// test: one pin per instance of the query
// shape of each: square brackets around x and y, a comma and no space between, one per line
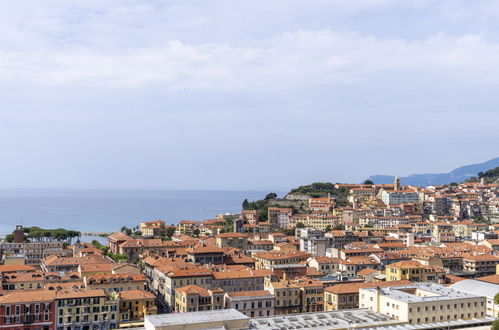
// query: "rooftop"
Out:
[164,320]
[324,320]
[435,292]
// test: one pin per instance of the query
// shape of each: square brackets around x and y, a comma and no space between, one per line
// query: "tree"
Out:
[368,182]
[328,228]
[495,325]
[170,231]
[128,231]
[270,196]
[496,299]
[196,232]
[300,225]
[453,184]
[123,229]
[245,204]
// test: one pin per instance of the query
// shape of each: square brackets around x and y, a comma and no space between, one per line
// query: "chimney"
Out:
[378,298]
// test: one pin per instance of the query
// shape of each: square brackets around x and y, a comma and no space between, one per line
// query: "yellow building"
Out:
[414,271]
[93,309]
[151,228]
[115,282]
[193,298]
[232,240]
[134,305]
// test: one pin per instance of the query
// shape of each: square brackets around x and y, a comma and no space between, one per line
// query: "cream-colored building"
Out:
[423,303]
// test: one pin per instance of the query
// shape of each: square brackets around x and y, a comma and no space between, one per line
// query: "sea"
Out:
[109,210]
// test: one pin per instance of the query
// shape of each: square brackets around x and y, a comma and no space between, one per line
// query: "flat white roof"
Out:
[440,293]
[323,320]
[195,317]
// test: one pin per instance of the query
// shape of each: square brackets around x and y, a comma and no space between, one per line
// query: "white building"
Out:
[489,290]
[399,197]
[423,303]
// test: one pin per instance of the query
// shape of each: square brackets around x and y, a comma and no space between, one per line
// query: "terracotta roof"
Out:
[367,271]
[86,268]
[71,294]
[257,293]
[62,261]
[231,235]
[280,255]
[200,249]
[136,295]
[482,257]
[26,296]
[16,268]
[119,236]
[107,278]
[193,289]
[354,287]
[250,273]
[327,260]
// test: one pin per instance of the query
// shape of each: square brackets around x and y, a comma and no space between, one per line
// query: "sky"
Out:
[243,95]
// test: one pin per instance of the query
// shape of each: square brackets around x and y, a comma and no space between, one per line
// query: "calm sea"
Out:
[108,210]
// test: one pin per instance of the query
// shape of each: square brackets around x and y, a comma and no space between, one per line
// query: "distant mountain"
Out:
[457,175]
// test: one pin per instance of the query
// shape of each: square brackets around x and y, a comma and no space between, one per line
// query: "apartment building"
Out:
[134,305]
[205,254]
[63,265]
[287,297]
[240,280]
[115,282]
[268,259]
[480,264]
[258,303]
[167,279]
[414,271]
[115,240]
[193,298]
[29,253]
[89,309]
[279,217]
[151,228]
[27,310]
[346,295]
[423,303]
[232,240]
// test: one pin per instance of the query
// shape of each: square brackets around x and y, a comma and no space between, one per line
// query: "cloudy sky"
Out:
[243,95]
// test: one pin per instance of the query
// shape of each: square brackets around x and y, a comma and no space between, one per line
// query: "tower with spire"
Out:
[396,183]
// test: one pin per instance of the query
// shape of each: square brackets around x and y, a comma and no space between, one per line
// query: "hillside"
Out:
[490,176]
[459,174]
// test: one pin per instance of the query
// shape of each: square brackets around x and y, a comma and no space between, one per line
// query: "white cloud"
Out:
[294,59]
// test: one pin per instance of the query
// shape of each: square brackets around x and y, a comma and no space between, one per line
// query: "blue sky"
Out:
[243,95]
